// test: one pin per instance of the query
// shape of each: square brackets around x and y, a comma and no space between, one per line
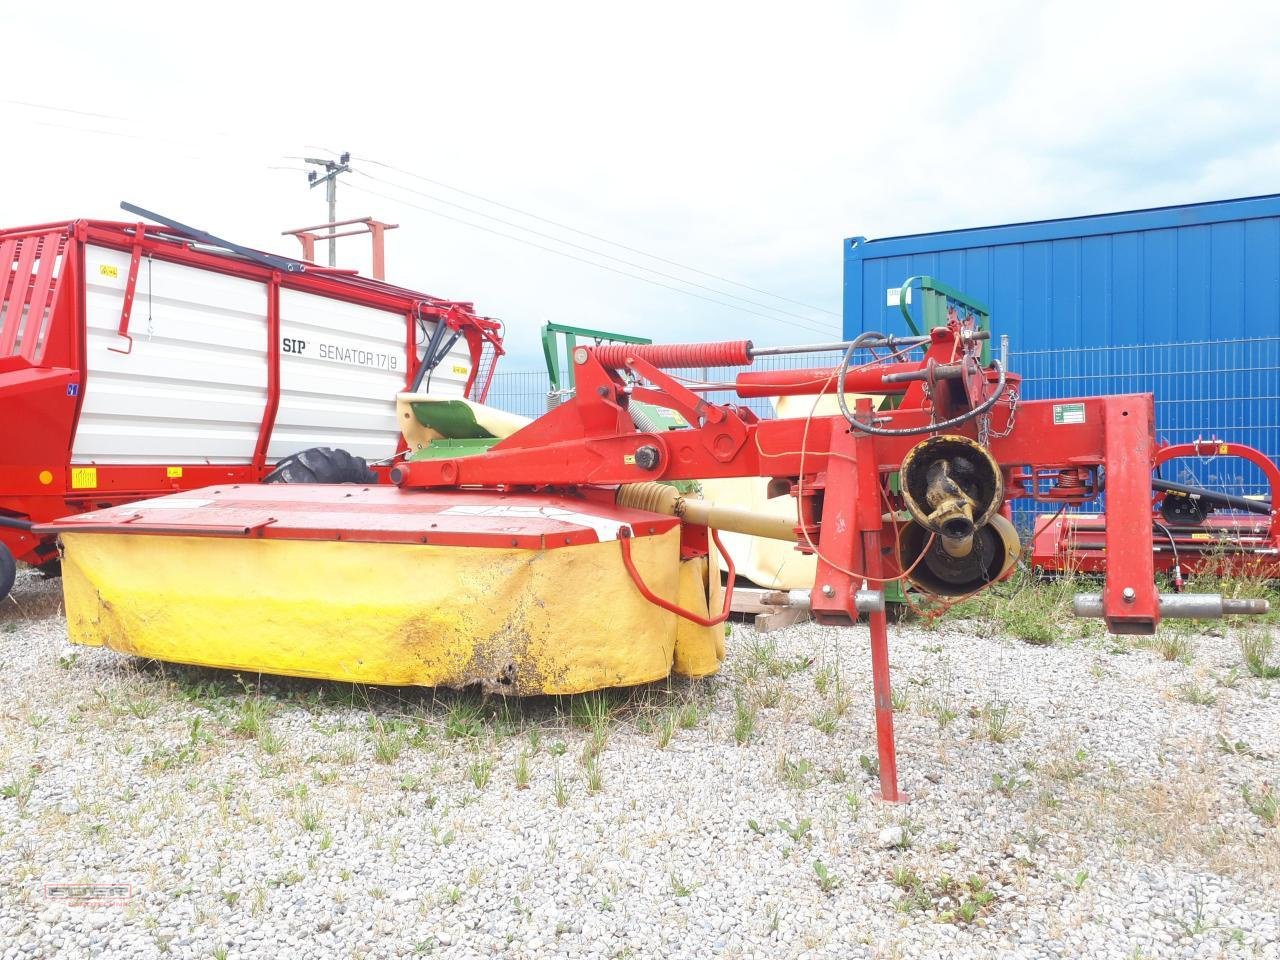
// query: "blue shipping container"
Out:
[1204,271]
[1183,302]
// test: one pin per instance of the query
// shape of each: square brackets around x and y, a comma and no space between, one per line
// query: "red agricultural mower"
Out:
[560,559]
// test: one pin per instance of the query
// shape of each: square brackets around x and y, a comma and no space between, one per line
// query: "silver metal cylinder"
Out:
[869,601]
[864,601]
[799,598]
[1187,606]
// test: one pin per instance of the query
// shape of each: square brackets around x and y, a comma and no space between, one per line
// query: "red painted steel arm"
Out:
[1131,603]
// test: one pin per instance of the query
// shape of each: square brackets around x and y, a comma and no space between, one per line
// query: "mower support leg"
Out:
[882,692]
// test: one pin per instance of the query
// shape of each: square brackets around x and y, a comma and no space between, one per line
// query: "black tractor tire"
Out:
[8,571]
[321,465]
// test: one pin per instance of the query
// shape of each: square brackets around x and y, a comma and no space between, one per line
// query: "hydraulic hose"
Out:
[14,523]
[624,543]
[856,424]
[1213,496]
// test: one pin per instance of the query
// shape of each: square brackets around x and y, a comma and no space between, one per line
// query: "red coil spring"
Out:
[728,353]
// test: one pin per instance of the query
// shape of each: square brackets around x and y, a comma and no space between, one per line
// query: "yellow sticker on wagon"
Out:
[173,472]
[83,477]
[108,270]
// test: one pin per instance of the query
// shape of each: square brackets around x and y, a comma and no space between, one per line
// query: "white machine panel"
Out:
[341,366]
[192,389]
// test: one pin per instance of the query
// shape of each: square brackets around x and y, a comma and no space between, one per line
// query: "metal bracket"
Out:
[130,287]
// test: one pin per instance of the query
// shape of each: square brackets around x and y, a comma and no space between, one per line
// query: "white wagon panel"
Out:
[192,389]
[341,366]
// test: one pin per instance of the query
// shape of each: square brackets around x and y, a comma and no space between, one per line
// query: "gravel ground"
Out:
[1071,800]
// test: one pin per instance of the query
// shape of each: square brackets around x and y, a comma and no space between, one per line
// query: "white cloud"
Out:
[744,139]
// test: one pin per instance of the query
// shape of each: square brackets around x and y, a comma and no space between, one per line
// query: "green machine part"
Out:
[462,434]
[938,301]
[551,349]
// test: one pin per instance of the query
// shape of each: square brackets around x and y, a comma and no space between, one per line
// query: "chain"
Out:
[985,435]
[1213,450]
[927,389]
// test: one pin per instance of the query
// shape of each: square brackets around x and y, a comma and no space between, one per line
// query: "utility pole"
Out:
[330,180]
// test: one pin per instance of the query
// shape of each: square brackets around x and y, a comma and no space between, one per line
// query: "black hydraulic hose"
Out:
[1213,496]
[968,415]
[14,523]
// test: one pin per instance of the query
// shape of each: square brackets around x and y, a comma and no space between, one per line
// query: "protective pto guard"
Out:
[540,617]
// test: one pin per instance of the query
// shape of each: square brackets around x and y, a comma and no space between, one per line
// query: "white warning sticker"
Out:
[605,528]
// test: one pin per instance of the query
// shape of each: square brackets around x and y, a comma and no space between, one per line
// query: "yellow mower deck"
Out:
[516,594]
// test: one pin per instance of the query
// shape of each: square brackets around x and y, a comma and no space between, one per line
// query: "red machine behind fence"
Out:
[1194,529]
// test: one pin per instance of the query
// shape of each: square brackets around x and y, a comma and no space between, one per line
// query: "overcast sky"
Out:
[743,140]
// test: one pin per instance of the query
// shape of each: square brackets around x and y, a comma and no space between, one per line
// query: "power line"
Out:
[202,131]
[83,113]
[593,236]
[806,323]
[586,249]
[186,147]
[592,263]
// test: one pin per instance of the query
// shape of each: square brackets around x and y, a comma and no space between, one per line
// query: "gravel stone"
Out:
[263,817]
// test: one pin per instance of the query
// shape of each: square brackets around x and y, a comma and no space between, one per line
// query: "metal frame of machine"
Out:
[838,469]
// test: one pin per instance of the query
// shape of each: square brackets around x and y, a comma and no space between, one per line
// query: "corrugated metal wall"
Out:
[1197,272]
[1191,276]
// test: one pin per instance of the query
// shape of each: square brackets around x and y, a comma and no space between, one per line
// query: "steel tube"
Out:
[661,498]
[839,347]
[941,371]
[1188,606]
[843,345]
[812,380]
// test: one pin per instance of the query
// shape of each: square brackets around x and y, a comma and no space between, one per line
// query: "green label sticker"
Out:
[1068,413]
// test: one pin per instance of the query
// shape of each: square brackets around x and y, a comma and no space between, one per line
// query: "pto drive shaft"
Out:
[661,498]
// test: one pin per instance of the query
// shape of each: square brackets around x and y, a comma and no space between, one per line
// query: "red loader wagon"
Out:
[138,360]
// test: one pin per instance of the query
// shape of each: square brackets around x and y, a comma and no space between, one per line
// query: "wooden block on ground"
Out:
[778,617]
